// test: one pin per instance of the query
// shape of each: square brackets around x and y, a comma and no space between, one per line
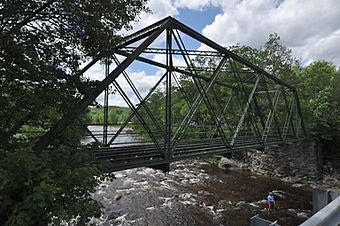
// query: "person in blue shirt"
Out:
[271,202]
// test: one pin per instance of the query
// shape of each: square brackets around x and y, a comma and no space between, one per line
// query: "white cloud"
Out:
[160,9]
[141,80]
[96,72]
[194,5]
[309,27]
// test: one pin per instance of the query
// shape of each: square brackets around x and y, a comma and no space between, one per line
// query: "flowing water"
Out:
[123,139]
[197,193]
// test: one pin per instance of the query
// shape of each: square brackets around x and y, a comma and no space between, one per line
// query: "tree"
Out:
[273,57]
[42,44]
[278,59]
[318,85]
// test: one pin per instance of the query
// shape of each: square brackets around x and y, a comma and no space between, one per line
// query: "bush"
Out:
[36,190]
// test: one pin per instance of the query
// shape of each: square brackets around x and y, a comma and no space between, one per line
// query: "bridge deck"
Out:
[146,155]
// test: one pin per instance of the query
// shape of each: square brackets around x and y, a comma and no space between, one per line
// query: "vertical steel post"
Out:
[168,92]
[299,112]
[106,103]
[287,120]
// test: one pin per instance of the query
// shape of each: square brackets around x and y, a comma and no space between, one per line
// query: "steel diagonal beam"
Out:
[198,84]
[143,33]
[186,98]
[245,110]
[206,98]
[225,108]
[259,112]
[244,94]
[212,112]
[190,32]
[270,116]
[140,118]
[91,134]
[272,111]
[42,143]
[201,88]
[88,131]
[188,117]
[136,92]
[218,104]
[126,122]
[288,109]
[185,95]
[139,35]
[175,69]
[198,100]
[222,115]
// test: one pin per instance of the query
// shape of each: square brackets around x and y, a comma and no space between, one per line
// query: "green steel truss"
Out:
[227,103]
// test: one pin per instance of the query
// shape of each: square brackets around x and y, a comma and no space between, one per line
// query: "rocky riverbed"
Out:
[197,193]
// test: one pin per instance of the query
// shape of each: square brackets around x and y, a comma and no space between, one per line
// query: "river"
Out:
[197,193]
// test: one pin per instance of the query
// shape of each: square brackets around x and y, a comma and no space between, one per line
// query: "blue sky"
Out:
[198,19]
[311,28]
[193,19]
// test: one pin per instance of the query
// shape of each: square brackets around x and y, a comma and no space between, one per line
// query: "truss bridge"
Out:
[196,98]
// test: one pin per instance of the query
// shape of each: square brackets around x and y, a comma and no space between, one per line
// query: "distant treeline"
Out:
[116,114]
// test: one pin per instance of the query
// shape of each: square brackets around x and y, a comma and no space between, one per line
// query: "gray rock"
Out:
[226,163]
[302,215]
[240,203]
[117,197]
[298,185]
[293,211]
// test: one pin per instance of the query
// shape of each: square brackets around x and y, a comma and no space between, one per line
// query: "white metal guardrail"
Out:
[327,216]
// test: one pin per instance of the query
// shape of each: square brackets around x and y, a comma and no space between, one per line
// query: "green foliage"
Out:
[116,114]
[318,85]
[56,185]
[319,88]
[273,57]
[42,45]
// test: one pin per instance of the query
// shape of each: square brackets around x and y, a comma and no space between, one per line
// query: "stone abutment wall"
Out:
[293,162]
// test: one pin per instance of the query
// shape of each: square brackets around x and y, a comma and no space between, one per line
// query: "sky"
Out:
[311,28]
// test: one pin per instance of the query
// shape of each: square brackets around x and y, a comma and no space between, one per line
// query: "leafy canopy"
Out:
[42,45]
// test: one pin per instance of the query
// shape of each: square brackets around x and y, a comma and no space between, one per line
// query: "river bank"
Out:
[197,193]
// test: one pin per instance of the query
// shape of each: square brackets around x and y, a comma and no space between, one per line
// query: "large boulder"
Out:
[226,163]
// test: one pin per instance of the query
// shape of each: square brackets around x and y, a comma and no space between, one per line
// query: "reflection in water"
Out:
[196,193]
